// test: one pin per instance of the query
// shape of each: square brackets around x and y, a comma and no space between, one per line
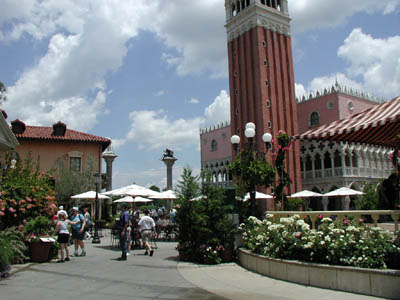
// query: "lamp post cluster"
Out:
[250,132]
[97,181]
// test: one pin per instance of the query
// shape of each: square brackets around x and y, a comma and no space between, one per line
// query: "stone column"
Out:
[109,157]
[325,202]
[169,161]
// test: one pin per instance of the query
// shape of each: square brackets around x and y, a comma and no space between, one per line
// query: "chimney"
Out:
[59,129]
[18,127]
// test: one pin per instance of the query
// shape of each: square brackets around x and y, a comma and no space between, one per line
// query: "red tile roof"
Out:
[46,133]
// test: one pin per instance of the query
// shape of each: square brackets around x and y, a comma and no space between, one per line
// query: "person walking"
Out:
[147,228]
[62,232]
[88,222]
[78,231]
[123,235]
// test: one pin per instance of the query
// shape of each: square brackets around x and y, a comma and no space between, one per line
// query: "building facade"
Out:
[216,153]
[261,84]
[261,77]
[58,146]
[325,166]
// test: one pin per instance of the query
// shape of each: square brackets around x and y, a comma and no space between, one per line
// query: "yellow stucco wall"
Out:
[49,151]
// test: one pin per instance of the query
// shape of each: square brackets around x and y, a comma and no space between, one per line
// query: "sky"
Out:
[150,74]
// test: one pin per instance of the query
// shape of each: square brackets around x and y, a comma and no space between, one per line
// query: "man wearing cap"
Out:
[123,225]
[61,210]
[78,231]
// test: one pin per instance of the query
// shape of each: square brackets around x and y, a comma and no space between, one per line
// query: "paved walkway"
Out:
[100,276]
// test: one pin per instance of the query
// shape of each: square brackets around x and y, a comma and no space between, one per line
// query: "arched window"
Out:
[337,159]
[314,119]
[214,145]
[327,161]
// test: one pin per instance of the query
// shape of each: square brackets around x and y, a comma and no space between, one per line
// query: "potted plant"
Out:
[37,232]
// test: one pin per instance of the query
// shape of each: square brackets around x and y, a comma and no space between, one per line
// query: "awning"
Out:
[378,125]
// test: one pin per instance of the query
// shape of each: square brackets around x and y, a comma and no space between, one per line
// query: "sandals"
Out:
[60,260]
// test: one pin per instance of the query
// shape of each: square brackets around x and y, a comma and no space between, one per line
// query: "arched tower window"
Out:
[314,119]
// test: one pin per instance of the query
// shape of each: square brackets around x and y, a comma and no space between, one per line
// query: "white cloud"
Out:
[219,111]
[87,40]
[159,93]
[326,82]
[299,90]
[376,61]
[194,29]
[154,130]
[311,14]
[194,101]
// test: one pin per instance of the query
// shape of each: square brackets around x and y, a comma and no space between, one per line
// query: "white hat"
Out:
[61,207]
[75,208]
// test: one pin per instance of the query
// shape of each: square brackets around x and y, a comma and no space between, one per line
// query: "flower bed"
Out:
[334,243]
[337,256]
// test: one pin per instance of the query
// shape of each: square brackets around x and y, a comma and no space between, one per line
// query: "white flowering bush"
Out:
[336,243]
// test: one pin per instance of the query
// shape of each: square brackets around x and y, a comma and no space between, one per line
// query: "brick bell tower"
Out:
[261,76]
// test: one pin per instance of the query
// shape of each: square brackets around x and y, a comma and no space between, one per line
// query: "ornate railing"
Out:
[341,214]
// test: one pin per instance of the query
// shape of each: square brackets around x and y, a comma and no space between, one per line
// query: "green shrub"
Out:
[12,249]
[38,227]
[6,254]
[25,193]
[204,226]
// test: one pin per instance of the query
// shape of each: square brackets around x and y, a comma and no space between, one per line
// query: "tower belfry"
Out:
[261,76]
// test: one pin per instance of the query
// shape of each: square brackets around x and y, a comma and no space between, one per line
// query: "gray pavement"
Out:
[100,276]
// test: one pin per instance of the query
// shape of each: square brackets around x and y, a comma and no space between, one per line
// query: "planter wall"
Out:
[380,283]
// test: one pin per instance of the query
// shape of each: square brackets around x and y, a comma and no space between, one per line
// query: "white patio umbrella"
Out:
[126,199]
[259,195]
[346,192]
[131,190]
[141,199]
[91,195]
[168,195]
[343,191]
[305,194]
[130,199]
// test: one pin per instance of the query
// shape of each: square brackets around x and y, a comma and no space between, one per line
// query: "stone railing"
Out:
[341,214]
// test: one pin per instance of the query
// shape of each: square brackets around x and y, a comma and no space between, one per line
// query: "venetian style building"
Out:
[325,166]
[261,84]
[261,77]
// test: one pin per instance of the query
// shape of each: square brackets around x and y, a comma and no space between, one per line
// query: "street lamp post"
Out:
[97,181]
[250,132]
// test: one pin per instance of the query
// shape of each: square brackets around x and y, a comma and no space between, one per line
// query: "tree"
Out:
[251,171]
[3,92]
[69,183]
[154,188]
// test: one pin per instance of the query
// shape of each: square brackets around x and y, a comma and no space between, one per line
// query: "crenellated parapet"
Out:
[338,88]
[215,127]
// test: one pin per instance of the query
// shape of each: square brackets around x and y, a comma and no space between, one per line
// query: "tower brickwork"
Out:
[261,77]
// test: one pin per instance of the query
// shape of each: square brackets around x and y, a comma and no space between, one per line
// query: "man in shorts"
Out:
[78,231]
[147,228]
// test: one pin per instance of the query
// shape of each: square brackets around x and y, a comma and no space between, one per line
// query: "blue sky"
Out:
[150,74]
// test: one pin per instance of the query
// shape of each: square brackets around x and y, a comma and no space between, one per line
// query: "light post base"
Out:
[96,238]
